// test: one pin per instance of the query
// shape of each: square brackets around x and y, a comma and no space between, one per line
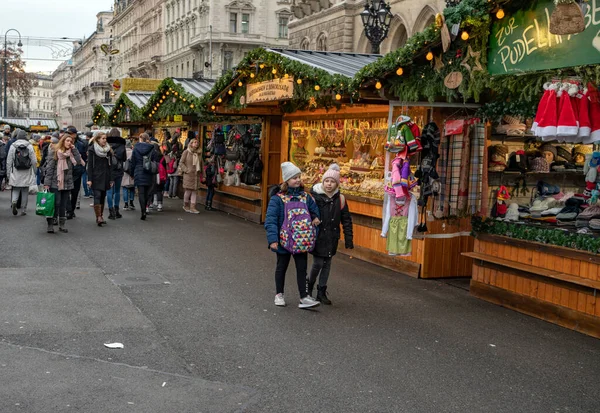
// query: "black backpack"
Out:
[22,159]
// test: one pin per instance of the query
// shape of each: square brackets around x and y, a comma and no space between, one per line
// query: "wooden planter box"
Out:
[555,284]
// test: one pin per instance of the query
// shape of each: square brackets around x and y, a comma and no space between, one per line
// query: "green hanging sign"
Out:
[522,42]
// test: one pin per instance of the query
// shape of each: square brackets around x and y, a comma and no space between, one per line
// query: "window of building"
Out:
[322,42]
[283,27]
[227,60]
[187,69]
[305,44]
[245,23]
[233,22]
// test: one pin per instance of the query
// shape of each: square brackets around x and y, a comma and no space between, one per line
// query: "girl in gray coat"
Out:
[20,166]
[59,177]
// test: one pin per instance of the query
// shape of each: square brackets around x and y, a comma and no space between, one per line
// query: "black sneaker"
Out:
[15,210]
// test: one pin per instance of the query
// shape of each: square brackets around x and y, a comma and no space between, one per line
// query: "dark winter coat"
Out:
[99,170]
[276,214]
[332,215]
[82,148]
[50,173]
[118,146]
[3,155]
[141,177]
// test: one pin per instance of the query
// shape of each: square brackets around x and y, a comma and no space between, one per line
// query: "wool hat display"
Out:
[513,212]
[517,161]
[593,211]
[548,148]
[333,172]
[289,170]
[595,224]
[539,165]
[542,204]
[497,157]
[564,152]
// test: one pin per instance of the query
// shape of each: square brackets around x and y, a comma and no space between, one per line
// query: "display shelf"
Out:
[529,173]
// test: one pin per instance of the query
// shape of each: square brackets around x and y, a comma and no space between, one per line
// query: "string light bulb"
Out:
[500,14]
[230,92]
[262,66]
[465,35]
[240,84]
[213,107]
[299,81]
[429,56]
[378,85]
[338,96]
[286,75]
[251,75]
[219,100]
[274,71]
[400,71]
[317,88]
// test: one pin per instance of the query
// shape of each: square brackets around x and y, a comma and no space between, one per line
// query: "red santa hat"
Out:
[585,125]
[547,117]
[567,126]
[594,97]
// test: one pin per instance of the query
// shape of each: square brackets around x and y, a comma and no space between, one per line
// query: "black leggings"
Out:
[99,197]
[283,260]
[144,193]
[74,194]
[61,198]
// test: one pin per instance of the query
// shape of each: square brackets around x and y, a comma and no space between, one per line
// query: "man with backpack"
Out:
[20,167]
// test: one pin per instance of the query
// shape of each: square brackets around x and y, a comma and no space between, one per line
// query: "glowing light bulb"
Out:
[240,84]
[500,14]
[378,85]
[262,66]
[338,96]
[213,107]
[230,92]
[252,75]
[219,100]
[286,75]
[429,56]
[400,71]
[317,88]
[464,36]
[299,81]
[274,71]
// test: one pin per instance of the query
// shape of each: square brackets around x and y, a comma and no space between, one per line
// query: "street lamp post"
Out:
[376,18]
[6,68]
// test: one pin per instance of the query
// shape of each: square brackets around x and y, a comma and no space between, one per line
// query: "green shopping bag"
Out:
[44,204]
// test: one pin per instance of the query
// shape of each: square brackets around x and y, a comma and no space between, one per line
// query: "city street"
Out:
[191,299]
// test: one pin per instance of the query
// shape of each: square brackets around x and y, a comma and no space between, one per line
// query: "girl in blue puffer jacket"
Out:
[290,191]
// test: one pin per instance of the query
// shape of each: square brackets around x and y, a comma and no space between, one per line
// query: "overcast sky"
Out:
[50,20]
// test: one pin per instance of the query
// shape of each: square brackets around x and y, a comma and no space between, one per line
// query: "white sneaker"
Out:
[308,302]
[159,208]
[279,300]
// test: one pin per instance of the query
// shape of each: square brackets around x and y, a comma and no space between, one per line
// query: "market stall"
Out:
[536,242]
[127,113]
[100,116]
[30,124]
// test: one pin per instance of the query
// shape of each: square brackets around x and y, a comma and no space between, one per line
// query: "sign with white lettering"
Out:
[271,90]
[522,42]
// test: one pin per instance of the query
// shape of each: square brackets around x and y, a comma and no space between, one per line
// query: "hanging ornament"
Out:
[453,80]
[567,18]
[439,64]
[445,34]
[312,102]
[476,56]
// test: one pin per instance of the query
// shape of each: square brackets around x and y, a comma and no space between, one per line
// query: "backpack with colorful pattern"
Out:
[297,234]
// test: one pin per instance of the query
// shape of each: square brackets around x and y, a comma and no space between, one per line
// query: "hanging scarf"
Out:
[195,159]
[101,151]
[63,166]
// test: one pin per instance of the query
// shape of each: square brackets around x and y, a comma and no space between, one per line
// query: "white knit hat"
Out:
[289,170]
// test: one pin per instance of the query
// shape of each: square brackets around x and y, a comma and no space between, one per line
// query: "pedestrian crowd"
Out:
[107,166]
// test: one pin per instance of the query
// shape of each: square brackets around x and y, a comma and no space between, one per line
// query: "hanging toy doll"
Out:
[500,207]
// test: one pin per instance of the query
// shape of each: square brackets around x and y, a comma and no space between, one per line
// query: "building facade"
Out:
[62,86]
[137,39]
[38,104]
[90,72]
[204,38]
[335,25]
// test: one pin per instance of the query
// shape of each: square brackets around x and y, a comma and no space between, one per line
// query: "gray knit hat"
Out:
[289,170]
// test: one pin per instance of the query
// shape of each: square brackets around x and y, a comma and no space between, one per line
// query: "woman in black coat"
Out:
[333,211]
[143,179]
[99,172]
[113,196]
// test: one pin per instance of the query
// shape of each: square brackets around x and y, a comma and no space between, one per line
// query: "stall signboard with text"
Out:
[522,42]
[269,91]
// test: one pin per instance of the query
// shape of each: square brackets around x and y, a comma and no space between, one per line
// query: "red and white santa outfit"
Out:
[567,126]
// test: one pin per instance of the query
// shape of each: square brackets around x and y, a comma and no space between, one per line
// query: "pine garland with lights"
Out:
[100,117]
[118,114]
[170,99]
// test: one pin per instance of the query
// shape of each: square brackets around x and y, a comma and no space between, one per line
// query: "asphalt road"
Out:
[191,299]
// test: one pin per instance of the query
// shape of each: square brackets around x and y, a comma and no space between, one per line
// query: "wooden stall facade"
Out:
[552,283]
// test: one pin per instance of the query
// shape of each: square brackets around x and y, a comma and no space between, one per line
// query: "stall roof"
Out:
[107,107]
[346,64]
[195,87]
[139,99]
[28,122]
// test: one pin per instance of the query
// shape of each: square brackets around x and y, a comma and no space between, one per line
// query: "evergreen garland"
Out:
[100,116]
[551,236]
[118,114]
[170,99]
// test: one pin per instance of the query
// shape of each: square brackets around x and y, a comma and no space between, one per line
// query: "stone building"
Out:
[62,86]
[231,28]
[38,105]
[137,39]
[335,25]
[90,72]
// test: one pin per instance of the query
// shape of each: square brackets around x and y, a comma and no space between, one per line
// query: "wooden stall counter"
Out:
[244,201]
[552,283]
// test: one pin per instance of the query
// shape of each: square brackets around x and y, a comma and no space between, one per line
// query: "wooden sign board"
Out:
[269,91]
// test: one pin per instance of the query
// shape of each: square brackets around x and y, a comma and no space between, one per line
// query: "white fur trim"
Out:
[566,131]
[584,131]
[543,131]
